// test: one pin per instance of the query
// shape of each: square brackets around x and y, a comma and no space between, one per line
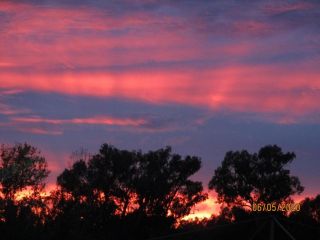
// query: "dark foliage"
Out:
[244,178]
[22,168]
[126,194]
[130,195]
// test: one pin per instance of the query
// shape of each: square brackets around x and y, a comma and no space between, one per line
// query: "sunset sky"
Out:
[202,76]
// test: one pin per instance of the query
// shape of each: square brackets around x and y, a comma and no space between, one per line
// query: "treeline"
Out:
[120,194]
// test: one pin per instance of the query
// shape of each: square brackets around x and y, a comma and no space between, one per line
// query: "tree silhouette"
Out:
[164,192]
[112,173]
[245,178]
[121,194]
[163,186]
[22,168]
[145,191]
[309,211]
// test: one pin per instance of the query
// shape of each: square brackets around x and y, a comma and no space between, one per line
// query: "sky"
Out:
[202,76]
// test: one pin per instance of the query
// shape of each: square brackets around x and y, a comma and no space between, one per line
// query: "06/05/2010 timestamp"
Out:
[275,207]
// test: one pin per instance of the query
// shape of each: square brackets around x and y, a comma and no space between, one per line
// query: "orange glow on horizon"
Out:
[210,207]
[205,209]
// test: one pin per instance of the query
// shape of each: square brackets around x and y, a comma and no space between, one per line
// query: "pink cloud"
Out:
[39,131]
[252,27]
[6,109]
[99,120]
[290,90]
[69,44]
[266,89]
[283,7]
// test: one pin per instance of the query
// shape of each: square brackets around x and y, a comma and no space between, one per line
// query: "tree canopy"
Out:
[140,187]
[122,194]
[21,166]
[309,212]
[244,178]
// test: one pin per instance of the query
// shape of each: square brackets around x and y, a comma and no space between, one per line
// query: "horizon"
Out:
[207,209]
